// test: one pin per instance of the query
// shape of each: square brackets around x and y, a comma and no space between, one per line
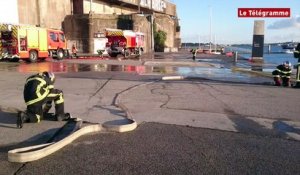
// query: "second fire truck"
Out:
[124,42]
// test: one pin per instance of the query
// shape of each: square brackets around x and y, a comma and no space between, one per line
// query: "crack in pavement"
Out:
[87,112]
[100,88]
[162,87]
[20,169]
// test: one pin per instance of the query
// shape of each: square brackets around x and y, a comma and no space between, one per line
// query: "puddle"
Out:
[218,74]
[200,72]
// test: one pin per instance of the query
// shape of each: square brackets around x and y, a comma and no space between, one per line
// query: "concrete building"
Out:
[82,19]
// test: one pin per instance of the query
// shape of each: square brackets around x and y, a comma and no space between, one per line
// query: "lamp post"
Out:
[91,6]
[210,19]
[152,32]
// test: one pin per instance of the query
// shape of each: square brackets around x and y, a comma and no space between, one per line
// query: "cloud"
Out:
[286,23]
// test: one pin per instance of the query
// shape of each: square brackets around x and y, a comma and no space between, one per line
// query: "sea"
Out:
[276,56]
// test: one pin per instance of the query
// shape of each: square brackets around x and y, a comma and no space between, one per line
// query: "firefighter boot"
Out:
[22,118]
[63,117]
[286,82]
[277,81]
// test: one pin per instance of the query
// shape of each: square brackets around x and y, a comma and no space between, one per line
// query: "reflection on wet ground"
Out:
[222,74]
[220,71]
[216,73]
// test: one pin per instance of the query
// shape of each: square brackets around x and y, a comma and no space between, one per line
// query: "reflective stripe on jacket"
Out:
[36,89]
[282,71]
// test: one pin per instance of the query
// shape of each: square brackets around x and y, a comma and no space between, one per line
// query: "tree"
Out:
[160,38]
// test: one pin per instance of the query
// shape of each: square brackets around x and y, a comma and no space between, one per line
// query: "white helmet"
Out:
[287,63]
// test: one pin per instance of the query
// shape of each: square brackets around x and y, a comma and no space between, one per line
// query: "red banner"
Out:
[264,12]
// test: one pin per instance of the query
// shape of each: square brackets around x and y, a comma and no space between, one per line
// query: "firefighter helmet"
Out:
[50,75]
[287,64]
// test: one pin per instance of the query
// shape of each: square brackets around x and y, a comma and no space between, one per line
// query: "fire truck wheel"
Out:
[33,56]
[60,54]
[126,54]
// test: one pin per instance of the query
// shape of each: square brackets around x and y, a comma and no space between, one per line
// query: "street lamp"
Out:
[91,6]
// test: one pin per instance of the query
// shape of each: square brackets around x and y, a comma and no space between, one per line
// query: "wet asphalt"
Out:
[154,147]
[169,149]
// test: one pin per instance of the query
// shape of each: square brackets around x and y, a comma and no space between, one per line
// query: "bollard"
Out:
[258,41]
[235,56]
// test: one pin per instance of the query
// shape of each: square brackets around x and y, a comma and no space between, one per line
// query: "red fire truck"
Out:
[31,43]
[124,42]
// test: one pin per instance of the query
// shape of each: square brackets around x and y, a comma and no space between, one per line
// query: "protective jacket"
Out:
[194,51]
[37,88]
[282,71]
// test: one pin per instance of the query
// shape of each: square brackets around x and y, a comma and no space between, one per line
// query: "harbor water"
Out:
[276,56]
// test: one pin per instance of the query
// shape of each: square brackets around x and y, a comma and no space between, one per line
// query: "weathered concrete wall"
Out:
[102,7]
[77,7]
[166,24]
[76,28]
[143,24]
[81,28]
[46,13]
[161,6]
[28,12]
[129,6]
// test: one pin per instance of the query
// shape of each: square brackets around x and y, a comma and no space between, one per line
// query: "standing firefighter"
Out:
[297,55]
[38,92]
[74,51]
[282,74]
[194,52]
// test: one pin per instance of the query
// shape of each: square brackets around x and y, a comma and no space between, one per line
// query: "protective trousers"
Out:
[35,111]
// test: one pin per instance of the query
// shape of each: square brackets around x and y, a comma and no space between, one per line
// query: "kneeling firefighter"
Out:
[38,94]
[282,74]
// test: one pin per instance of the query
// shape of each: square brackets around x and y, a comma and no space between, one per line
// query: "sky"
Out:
[228,28]
[9,15]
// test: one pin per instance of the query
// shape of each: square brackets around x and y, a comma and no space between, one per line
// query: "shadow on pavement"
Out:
[248,126]
[283,127]
[41,138]
[7,119]
[280,129]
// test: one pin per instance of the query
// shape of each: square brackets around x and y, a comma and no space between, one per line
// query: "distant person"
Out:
[194,52]
[282,74]
[74,51]
[222,50]
[297,52]
[38,92]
